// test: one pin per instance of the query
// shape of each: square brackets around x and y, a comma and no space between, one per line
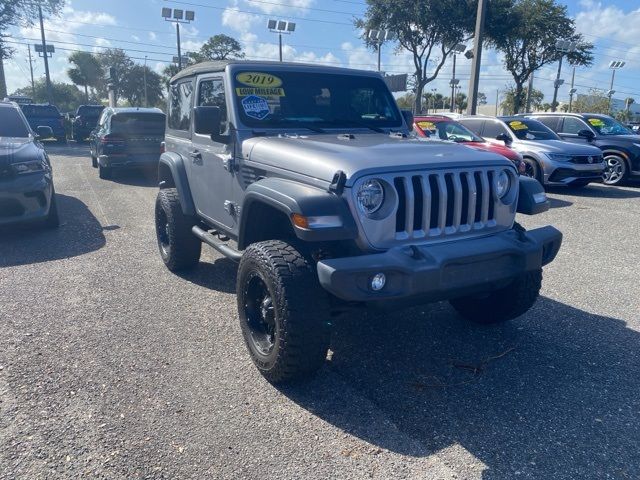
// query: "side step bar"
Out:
[212,241]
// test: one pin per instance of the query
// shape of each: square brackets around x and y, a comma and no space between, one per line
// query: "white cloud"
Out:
[152,36]
[237,20]
[274,7]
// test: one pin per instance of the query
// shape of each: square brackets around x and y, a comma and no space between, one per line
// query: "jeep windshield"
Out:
[608,126]
[312,100]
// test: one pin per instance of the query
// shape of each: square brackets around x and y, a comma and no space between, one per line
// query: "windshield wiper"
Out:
[364,125]
[294,123]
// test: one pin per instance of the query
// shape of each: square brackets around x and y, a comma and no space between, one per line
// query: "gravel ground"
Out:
[113,367]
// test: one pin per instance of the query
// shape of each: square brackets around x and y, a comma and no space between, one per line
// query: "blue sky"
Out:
[324,34]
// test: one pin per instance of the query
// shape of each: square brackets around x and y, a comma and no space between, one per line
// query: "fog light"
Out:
[378,281]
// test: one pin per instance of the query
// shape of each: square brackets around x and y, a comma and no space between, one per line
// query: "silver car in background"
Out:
[548,159]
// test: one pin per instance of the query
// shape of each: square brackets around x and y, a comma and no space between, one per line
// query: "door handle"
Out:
[196,157]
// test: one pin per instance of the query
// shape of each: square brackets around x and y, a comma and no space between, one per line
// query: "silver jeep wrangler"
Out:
[309,178]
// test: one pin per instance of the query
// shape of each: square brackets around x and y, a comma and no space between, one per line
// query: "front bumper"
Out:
[440,272]
[25,198]
[129,160]
[566,173]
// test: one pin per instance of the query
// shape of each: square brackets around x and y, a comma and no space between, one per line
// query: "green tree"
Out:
[528,39]
[86,71]
[66,96]
[219,47]
[596,101]
[482,98]
[460,102]
[132,87]
[117,58]
[406,101]
[429,30]
[508,105]
[14,13]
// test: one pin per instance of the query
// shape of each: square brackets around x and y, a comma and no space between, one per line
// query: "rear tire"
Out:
[94,162]
[283,311]
[504,304]
[179,247]
[104,173]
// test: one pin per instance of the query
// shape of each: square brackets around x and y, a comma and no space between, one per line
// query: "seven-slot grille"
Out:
[437,204]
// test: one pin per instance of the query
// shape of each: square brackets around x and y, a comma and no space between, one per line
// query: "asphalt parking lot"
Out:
[111,366]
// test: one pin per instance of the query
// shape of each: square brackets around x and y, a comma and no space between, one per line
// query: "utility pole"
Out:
[179,48]
[497,100]
[556,86]
[33,85]
[46,58]
[146,104]
[280,44]
[573,90]
[564,47]
[453,84]
[477,58]
[529,92]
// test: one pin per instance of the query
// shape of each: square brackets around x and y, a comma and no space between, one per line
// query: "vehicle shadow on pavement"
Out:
[80,232]
[136,177]
[557,203]
[219,275]
[551,395]
[596,191]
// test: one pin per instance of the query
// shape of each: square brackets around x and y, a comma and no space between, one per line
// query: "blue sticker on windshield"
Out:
[255,107]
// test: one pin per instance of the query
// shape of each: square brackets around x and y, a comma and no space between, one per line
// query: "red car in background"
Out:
[439,127]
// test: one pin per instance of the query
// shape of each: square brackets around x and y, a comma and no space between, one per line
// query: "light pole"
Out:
[457,48]
[477,57]
[144,72]
[33,85]
[178,16]
[562,46]
[614,65]
[572,90]
[378,37]
[280,27]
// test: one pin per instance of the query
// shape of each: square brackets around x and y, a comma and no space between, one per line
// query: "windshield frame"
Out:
[604,119]
[314,122]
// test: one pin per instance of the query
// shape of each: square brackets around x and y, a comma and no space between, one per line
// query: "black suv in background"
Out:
[42,114]
[127,137]
[85,120]
[26,179]
[620,145]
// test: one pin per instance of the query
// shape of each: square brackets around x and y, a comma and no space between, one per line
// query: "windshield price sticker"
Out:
[596,122]
[259,91]
[257,79]
[427,125]
[518,125]
[255,107]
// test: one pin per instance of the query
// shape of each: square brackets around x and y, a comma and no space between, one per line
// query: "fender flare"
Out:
[291,197]
[173,164]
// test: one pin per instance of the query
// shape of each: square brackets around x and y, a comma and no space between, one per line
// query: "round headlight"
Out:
[502,183]
[370,196]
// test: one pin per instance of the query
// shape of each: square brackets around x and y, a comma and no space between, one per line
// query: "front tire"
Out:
[532,170]
[283,311]
[504,304]
[53,218]
[105,173]
[615,170]
[179,247]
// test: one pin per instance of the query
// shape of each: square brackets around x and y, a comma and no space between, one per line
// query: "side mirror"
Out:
[43,131]
[408,117]
[588,134]
[207,121]
[505,138]
[532,198]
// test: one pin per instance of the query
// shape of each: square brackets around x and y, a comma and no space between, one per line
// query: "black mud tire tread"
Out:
[94,162]
[505,304]
[105,173]
[184,247]
[302,311]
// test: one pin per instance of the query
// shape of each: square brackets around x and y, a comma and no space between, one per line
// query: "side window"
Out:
[180,95]
[211,94]
[573,125]
[493,129]
[551,122]
[473,124]
[103,119]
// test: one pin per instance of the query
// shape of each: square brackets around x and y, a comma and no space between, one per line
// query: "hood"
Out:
[503,150]
[555,146]
[321,156]
[635,138]
[16,150]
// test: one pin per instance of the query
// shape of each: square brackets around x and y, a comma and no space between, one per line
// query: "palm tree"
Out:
[86,71]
